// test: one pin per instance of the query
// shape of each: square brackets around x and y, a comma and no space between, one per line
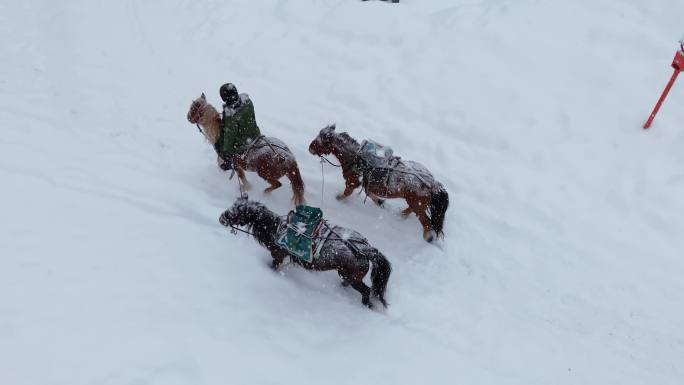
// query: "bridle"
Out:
[196,108]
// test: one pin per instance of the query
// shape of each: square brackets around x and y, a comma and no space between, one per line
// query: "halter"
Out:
[198,118]
[234,230]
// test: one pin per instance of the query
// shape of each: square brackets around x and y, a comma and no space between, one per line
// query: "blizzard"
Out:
[562,256]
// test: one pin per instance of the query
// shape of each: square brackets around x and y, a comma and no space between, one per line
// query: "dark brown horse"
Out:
[410,180]
[269,157]
[343,249]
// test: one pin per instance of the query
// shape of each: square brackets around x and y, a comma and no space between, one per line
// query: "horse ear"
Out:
[332,126]
[203,96]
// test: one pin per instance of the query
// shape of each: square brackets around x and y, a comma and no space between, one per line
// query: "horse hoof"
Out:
[340,197]
[344,284]
[368,304]
[429,236]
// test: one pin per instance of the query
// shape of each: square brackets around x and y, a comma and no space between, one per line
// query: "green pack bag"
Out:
[300,231]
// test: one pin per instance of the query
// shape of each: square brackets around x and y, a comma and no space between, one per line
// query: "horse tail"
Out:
[297,184]
[438,207]
[380,275]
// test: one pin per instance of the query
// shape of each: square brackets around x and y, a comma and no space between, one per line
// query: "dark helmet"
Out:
[229,94]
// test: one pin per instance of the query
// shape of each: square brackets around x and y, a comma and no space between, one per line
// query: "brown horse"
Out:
[269,157]
[344,250]
[410,180]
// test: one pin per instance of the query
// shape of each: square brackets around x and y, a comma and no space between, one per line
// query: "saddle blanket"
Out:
[303,233]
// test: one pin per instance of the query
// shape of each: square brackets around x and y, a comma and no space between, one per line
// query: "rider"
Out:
[239,127]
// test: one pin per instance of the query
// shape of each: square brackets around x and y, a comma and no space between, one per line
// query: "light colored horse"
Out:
[269,157]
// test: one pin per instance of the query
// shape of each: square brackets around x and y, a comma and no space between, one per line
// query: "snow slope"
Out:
[562,260]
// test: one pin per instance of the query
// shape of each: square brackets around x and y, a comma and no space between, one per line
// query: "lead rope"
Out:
[325,160]
[322,182]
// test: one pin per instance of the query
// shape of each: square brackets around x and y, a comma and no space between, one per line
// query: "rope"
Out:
[329,162]
[322,182]
[234,230]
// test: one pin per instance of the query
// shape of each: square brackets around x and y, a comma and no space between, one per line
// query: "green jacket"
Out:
[239,129]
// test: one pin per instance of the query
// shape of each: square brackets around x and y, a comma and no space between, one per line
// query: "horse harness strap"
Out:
[254,146]
[367,179]
[321,237]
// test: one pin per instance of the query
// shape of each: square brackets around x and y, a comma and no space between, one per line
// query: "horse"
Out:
[425,196]
[344,250]
[269,157]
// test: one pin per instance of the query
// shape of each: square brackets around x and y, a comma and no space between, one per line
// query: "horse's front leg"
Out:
[407,211]
[246,186]
[351,182]
[278,258]
[378,201]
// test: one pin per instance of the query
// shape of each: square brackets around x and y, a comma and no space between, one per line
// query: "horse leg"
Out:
[246,186]
[407,211]
[348,190]
[275,183]
[278,259]
[420,207]
[344,283]
[297,184]
[351,182]
[425,221]
[364,290]
[270,178]
[378,201]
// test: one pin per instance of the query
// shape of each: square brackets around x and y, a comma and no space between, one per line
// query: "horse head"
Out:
[239,213]
[260,222]
[196,109]
[323,143]
[205,115]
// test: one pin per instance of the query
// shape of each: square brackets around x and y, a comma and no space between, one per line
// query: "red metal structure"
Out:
[678,65]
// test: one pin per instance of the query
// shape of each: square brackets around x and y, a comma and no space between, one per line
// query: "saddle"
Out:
[302,234]
[373,155]
[375,162]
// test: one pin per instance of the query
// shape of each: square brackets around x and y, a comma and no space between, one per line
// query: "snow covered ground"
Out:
[562,261]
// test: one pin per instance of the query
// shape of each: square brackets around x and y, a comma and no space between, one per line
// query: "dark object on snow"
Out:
[383,175]
[344,250]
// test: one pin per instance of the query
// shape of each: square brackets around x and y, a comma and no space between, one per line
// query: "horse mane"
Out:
[348,142]
[262,223]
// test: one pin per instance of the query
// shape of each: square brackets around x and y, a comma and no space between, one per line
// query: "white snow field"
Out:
[562,261]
